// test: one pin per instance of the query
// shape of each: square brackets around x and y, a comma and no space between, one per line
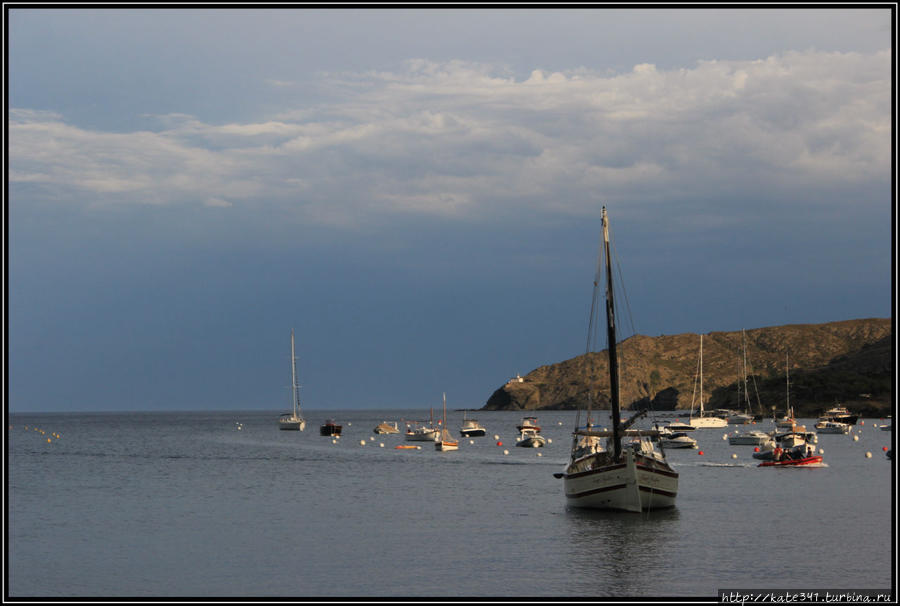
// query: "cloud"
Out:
[463,139]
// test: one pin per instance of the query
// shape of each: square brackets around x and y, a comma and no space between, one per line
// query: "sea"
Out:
[224,505]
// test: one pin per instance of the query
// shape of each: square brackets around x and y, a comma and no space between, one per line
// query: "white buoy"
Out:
[418,448]
[333,441]
[725,436]
[868,455]
[496,437]
[856,438]
[349,424]
[540,454]
[733,456]
[471,441]
[372,438]
[381,444]
[549,441]
[506,452]
[821,451]
[362,442]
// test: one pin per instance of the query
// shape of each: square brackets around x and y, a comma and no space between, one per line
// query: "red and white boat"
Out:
[797,457]
[815,460]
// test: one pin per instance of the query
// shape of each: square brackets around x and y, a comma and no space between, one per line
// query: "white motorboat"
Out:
[631,477]
[471,428]
[293,420]
[740,419]
[833,427]
[703,419]
[750,438]
[529,424]
[840,414]
[531,439]
[677,440]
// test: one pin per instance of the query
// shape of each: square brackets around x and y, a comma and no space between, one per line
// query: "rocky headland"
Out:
[849,362]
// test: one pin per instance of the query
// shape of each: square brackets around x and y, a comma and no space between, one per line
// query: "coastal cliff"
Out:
[849,362]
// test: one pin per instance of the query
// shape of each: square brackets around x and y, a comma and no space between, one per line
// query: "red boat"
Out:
[792,462]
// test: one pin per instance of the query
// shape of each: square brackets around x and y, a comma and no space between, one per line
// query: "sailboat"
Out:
[633,476]
[293,420]
[743,418]
[423,433]
[703,420]
[445,441]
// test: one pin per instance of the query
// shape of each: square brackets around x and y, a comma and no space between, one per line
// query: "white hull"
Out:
[446,446]
[701,422]
[292,424]
[629,486]
[750,439]
[423,435]
[678,443]
[740,420]
[832,427]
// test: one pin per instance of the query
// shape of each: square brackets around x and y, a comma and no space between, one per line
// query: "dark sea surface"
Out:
[225,505]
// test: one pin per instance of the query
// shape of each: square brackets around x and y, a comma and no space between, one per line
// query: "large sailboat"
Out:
[293,420]
[704,420]
[629,473]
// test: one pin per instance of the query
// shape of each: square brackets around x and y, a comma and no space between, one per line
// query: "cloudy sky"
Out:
[417,193]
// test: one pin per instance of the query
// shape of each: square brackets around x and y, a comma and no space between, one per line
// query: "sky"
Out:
[417,193]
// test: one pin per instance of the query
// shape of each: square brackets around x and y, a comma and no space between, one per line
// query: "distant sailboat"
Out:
[703,420]
[743,418]
[445,441]
[633,476]
[293,420]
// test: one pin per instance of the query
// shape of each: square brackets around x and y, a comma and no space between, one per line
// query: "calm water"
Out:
[188,505]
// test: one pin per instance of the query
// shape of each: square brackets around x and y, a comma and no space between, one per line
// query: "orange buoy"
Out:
[499,443]
[884,448]
[700,453]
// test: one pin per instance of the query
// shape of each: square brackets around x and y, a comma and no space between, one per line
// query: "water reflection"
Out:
[618,554]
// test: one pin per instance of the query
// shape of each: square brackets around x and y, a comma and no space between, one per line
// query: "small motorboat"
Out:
[386,427]
[677,440]
[531,439]
[740,419]
[814,460]
[750,438]
[832,427]
[793,457]
[839,414]
[471,428]
[330,428]
[678,427]
[529,424]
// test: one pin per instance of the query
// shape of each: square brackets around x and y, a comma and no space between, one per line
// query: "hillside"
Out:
[849,362]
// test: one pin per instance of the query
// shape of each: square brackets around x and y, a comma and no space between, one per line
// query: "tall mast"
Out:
[611,338]
[295,389]
[701,375]
[788,385]
[744,367]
